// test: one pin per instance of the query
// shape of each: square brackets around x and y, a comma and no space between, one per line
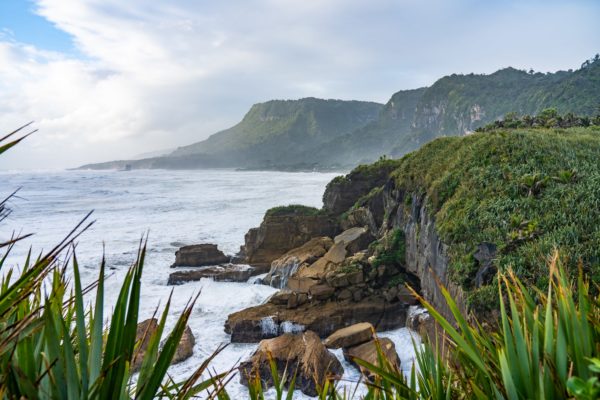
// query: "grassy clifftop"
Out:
[528,191]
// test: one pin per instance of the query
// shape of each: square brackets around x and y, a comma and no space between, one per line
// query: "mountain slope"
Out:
[458,104]
[281,131]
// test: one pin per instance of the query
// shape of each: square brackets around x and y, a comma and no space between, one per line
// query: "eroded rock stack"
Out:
[301,354]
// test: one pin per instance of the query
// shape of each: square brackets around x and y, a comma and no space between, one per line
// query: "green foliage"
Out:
[292,210]
[548,118]
[543,342]
[391,251]
[528,191]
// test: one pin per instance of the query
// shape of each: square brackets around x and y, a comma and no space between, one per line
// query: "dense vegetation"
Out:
[528,191]
[548,118]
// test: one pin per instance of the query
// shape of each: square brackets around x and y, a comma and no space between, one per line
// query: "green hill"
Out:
[281,132]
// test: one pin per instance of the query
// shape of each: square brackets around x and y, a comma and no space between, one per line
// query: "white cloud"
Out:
[160,74]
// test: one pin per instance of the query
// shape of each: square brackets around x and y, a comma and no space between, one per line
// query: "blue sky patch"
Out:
[19,22]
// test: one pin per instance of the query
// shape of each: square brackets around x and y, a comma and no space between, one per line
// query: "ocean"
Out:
[173,208]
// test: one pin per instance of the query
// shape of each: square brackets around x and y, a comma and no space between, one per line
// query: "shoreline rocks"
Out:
[270,320]
[302,354]
[286,265]
[349,336]
[278,234]
[368,352]
[199,255]
[220,273]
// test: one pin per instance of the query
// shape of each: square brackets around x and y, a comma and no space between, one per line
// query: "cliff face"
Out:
[458,104]
[393,208]
[426,254]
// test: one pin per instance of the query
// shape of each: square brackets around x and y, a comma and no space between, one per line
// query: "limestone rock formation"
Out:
[349,336]
[271,320]
[301,353]
[286,265]
[278,234]
[199,255]
[220,273]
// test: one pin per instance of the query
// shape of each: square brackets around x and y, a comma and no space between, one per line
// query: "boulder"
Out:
[286,265]
[221,273]
[199,255]
[185,349]
[368,352]
[144,332]
[350,336]
[280,233]
[269,320]
[303,354]
[354,239]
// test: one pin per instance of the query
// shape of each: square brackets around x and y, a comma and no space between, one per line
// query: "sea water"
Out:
[173,208]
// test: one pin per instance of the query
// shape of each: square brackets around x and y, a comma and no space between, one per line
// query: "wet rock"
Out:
[404,295]
[368,352]
[349,336]
[420,321]
[282,297]
[303,353]
[278,234]
[270,320]
[354,239]
[220,273]
[391,294]
[199,255]
[285,266]
[338,280]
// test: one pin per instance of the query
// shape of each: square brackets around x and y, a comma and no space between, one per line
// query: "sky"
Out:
[113,79]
